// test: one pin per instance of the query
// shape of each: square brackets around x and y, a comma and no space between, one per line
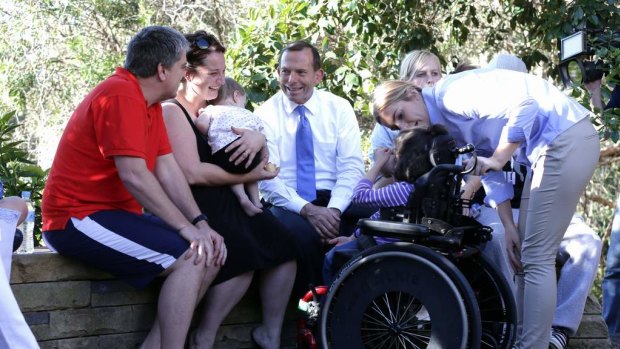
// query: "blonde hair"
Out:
[227,89]
[413,61]
[390,92]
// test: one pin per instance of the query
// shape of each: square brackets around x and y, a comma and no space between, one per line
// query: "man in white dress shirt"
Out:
[338,163]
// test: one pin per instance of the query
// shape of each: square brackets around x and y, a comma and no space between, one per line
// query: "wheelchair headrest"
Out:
[443,150]
[420,149]
[435,172]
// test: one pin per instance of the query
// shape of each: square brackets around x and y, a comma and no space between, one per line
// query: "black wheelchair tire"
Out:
[395,277]
[496,302]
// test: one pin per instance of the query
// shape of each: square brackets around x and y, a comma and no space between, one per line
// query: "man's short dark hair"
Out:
[154,45]
[300,46]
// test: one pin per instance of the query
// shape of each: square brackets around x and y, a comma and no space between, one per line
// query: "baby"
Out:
[216,121]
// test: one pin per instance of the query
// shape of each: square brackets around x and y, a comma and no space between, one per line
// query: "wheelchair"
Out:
[431,288]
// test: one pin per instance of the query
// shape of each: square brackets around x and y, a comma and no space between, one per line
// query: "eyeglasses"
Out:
[202,43]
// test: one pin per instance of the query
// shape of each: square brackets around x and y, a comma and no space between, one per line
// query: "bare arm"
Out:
[472,185]
[594,88]
[496,162]
[170,176]
[383,156]
[145,188]
[511,234]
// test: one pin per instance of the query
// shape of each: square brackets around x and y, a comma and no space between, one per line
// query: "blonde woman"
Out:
[423,69]
[511,114]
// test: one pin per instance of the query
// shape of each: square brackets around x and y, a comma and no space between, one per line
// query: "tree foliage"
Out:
[54,51]
[362,42]
[18,171]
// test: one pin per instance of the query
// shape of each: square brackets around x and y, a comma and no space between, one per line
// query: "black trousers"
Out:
[310,262]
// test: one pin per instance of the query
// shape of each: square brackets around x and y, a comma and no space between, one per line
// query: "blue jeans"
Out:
[611,282]
[329,269]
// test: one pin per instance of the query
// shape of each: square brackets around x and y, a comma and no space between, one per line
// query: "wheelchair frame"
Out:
[431,290]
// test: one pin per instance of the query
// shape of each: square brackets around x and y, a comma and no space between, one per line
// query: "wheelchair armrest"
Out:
[398,230]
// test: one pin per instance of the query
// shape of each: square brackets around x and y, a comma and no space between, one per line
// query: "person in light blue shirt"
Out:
[14,331]
[508,114]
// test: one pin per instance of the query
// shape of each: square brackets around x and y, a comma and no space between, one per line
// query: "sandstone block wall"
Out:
[69,305]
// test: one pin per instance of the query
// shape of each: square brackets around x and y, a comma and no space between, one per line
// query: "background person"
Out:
[580,243]
[255,243]
[611,280]
[113,160]
[423,69]
[314,137]
[505,113]
[14,331]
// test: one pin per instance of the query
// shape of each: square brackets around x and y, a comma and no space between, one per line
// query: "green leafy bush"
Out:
[18,171]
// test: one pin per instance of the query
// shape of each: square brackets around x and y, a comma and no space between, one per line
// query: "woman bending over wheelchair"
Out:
[408,161]
[510,114]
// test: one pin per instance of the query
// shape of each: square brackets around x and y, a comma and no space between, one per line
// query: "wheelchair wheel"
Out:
[400,295]
[495,301]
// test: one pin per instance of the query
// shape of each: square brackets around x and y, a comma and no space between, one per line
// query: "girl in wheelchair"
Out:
[409,160]
[428,289]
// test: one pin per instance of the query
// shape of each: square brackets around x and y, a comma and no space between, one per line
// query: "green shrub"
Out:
[18,171]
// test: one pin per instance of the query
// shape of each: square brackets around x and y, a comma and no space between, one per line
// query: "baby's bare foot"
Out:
[257,203]
[249,208]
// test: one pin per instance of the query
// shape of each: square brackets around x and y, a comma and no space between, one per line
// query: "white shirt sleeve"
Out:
[349,161]
[276,191]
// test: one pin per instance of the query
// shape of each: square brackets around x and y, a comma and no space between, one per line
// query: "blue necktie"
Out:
[306,183]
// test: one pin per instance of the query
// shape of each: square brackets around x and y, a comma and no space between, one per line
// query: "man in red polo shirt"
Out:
[113,160]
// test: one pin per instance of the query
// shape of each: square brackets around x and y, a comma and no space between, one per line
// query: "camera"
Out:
[577,63]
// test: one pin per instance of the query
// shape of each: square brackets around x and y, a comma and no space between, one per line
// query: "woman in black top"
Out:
[258,243]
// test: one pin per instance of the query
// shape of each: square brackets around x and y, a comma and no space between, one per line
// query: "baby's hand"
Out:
[203,121]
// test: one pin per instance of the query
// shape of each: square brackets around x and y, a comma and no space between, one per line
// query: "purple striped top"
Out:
[395,194]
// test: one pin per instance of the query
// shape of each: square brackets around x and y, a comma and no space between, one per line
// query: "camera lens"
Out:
[574,72]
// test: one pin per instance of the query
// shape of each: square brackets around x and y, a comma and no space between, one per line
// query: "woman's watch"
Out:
[200,217]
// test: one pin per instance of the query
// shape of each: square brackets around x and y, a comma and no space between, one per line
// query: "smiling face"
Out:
[206,79]
[405,114]
[298,76]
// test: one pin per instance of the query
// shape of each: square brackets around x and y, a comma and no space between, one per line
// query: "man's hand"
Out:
[247,146]
[219,247]
[326,221]
[204,244]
